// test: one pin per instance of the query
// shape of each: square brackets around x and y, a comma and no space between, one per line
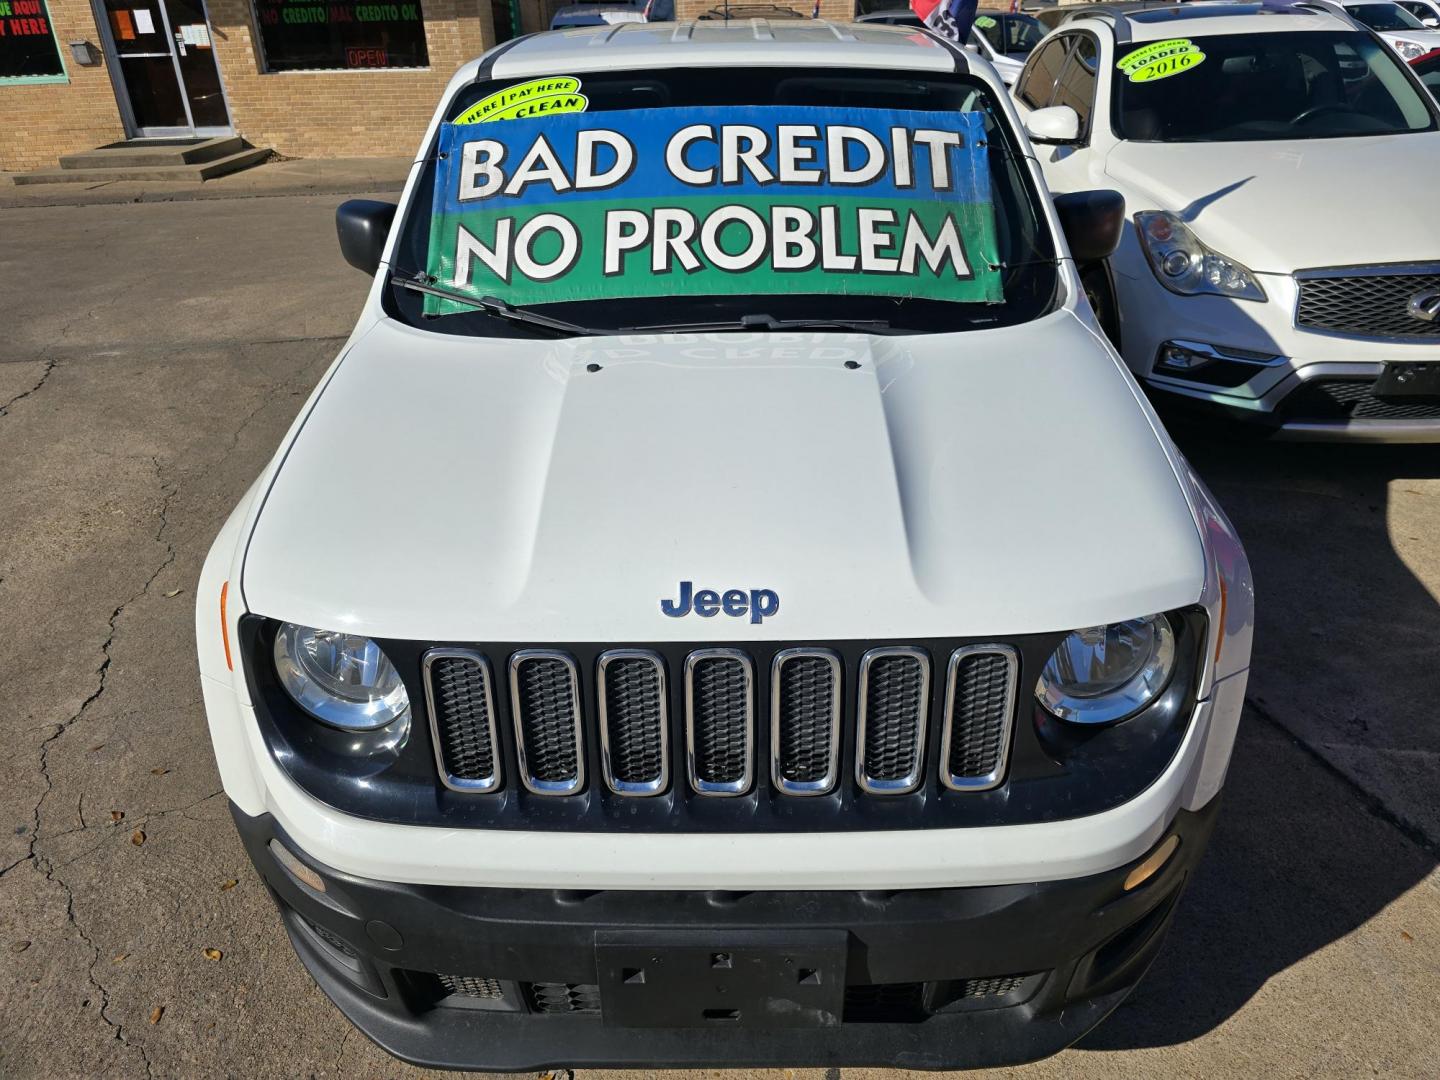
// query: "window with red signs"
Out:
[339,35]
[28,49]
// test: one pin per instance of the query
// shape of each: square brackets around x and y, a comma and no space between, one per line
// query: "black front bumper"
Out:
[920,979]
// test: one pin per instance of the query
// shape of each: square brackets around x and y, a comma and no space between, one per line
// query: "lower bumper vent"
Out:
[557,998]
[473,986]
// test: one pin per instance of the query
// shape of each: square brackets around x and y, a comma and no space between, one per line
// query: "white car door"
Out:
[1066,70]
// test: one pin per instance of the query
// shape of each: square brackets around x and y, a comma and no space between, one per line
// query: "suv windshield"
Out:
[1294,85]
[953,257]
[1010,35]
[1384,17]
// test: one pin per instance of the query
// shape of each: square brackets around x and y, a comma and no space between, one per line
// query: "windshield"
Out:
[1010,35]
[920,243]
[1250,87]
[1385,17]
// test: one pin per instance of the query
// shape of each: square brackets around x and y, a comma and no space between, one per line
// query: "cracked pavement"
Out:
[148,374]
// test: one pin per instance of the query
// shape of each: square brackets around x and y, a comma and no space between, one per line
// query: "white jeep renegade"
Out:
[726,604]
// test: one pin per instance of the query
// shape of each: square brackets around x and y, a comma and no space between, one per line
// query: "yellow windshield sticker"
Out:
[1160,60]
[984,22]
[527,101]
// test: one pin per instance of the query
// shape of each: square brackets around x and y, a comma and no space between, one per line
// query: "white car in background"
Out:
[1427,11]
[1402,30]
[1262,154]
[1006,41]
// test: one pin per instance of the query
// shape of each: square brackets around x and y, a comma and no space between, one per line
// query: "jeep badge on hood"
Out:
[757,603]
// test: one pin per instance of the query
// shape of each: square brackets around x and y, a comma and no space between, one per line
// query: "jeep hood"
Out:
[1285,206]
[986,483]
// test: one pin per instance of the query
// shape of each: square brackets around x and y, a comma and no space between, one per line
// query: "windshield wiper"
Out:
[768,322]
[493,305]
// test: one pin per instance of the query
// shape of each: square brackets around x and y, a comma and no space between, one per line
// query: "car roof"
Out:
[748,43]
[1202,18]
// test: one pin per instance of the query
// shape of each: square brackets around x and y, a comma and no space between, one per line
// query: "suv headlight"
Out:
[343,680]
[1186,266]
[1107,673]
[1409,50]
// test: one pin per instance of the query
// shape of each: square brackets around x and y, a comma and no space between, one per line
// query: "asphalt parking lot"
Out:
[152,356]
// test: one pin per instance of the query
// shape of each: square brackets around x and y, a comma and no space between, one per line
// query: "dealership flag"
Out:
[948,18]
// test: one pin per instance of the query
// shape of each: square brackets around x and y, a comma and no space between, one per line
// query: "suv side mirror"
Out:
[1092,222]
[363,226]
[1054,124]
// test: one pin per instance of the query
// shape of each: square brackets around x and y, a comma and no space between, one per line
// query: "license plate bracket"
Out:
[752,979]
[1419,379]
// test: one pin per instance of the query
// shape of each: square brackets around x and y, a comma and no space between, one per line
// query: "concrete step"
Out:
[149,153]
[200,170]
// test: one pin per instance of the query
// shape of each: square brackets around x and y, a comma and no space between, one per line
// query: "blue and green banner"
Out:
[715,201]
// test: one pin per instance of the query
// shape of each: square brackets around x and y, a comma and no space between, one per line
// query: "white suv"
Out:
[726,603]
[1267,157]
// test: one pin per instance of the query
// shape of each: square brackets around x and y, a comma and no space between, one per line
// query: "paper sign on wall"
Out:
[144,24]
[715,201]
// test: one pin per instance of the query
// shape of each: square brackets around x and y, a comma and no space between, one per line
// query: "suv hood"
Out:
[1285,206]
[993,482]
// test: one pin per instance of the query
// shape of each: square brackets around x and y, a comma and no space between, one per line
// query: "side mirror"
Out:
[1431,21]
[1056,124]
[1092,222]
[363,226]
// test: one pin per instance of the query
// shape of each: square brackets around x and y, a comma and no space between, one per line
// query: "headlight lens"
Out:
[343,680]
[1186,266]
[1106,673]
[1409,50]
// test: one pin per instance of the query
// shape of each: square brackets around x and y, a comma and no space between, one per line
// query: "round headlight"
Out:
[343,680]
[1106,673]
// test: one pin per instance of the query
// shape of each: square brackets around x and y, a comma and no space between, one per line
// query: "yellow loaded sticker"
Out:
[526,101]
[984,22]
[1160,60]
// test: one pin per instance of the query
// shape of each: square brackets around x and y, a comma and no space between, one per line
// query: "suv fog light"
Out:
[1213,365]
[1103,674]
[1180,358]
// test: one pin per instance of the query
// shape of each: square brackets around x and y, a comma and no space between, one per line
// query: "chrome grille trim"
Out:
[911,780]
[467,785]
[662,779]
[827,782]
[533,783]
[707,787]
[1006,720]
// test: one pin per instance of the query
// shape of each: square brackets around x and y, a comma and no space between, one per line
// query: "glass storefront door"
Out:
[166,63]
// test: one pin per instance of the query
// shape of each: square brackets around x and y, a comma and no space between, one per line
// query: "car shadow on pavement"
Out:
[1327,817]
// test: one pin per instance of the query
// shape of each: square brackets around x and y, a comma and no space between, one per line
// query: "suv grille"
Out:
[473,986]
[551,997]
[894,704]
[1365,305]
[979,706]
[720,708]
[1353,399]
[634,722]
[462,719]
[805,719]
[545,699]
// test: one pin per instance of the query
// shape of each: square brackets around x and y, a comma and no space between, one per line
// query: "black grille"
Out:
[895,691]
[807,700]
[1366,305]
[547,997]
[995,986]
[982,686]
[473,986]
[634,696]
[721,703]
[463,714]
[1353,399]
[545,706]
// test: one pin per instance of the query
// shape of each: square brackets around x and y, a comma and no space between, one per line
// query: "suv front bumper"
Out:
[932,978]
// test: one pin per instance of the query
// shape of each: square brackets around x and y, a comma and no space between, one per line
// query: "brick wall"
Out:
[39,122]
[343,113]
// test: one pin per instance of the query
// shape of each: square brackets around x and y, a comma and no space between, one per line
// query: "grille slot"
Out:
[634,722]
[473,986]
[719,721]
[1353,399]
[1365,304]
[805,721]
[979,713]
[545,700]
[994,986]
[459,695]
[551,997]
[894,705]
